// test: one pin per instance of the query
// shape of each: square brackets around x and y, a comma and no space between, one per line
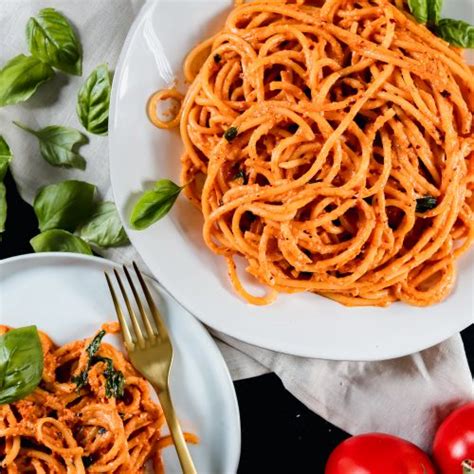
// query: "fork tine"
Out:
[146,321]
[162,331]
[133,318]
[118,310]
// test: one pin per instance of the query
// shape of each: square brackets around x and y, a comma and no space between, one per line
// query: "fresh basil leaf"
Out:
[64,205]
[154,204]
[104,227]
[58,145]
[419,9]
[3,207]
[456,32]
[21,77]
[94,345]
[434,11]
[57,240]
[114,379]
[5,157]
[51,38]
[93,101]
[21,363]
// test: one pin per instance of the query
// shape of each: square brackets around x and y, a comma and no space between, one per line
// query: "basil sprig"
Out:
[114,379]
[21,77]
[21,363]
[64,205]
[93,101]
[57,240]
[58,145]
[52,40]
[154,204]
[5,159]
[104,228]
[456,32]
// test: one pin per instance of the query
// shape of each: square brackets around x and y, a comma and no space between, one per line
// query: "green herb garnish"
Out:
[114,379]
[154,204]
[52,40]
[426,11]
[93,101]
[104,227]
[426,203]
[57,240]
[456,32]
[58,145]
[81,379]
[94,345]
[21,77]
[231,133]
[64,205]
[87,461]
[21,363]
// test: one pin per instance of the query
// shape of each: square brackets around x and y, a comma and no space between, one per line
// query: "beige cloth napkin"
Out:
[405,396]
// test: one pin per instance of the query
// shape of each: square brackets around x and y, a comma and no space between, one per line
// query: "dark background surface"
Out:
[279,434]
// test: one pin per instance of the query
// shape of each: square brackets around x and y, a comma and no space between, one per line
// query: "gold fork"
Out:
[151,353]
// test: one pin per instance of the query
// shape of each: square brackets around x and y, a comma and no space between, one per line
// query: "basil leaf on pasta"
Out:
[93,101]
[21,77]
[456,32]
[64,205]
[21,363]
[434,11]
[419,9]
[52,40]
[154,204]
[58,145]
[57,240]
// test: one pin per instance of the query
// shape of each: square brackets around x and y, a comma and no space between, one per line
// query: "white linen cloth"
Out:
[405,397]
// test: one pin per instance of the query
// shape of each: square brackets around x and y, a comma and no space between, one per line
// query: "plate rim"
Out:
[218,357]
[281,346]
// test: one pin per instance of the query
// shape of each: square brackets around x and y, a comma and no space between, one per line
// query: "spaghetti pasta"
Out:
[66,427]
[336,143]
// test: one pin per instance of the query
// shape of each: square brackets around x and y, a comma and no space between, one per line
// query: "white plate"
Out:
[66,295]
[303,324]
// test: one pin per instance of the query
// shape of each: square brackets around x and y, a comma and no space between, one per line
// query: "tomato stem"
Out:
[468,467]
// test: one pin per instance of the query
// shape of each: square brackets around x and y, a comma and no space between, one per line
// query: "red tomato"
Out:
[454,441]
[377,453]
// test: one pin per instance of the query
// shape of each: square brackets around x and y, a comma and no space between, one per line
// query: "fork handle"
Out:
[184,456]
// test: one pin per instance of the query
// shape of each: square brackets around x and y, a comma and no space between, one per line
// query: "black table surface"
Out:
[279,434]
